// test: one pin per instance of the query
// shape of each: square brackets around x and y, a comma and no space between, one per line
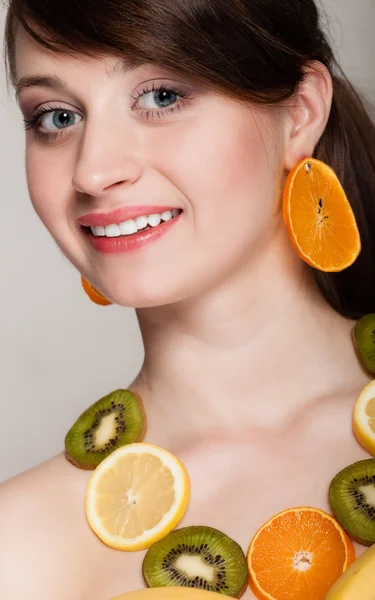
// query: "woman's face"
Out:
[110,140]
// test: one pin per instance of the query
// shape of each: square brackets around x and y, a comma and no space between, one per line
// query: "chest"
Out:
[236,487]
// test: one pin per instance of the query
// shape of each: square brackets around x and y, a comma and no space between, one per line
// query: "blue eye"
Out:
[59,119]
[161,99]
[162,96]
[49,122]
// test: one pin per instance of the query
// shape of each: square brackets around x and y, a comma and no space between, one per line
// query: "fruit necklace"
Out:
[138,492]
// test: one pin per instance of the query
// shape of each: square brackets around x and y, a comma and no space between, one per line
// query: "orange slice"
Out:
[319,218]
[136,496]
[364,418]
[298,555]
[93,293]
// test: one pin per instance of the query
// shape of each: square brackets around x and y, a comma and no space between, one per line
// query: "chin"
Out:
[145,300]
[154,294]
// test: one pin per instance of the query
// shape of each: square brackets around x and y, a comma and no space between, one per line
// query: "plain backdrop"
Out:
[59,352]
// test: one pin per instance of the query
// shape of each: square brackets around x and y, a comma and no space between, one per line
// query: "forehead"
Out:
[31,57]
[37,65]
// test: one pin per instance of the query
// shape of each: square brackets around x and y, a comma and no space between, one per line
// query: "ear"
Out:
[307,115]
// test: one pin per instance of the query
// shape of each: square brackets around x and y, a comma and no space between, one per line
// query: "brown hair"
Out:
[251,50]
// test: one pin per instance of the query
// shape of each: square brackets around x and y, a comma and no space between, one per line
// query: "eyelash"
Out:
[33,123]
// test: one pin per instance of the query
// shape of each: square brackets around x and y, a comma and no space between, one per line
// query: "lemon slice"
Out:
[364,418]
[136,496]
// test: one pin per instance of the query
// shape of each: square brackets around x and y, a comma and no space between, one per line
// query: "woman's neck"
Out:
[246,357]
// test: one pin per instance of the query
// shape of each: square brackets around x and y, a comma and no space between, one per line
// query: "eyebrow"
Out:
[39,80]
[56,83]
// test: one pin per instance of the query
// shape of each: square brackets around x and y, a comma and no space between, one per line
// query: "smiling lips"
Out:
[128,228]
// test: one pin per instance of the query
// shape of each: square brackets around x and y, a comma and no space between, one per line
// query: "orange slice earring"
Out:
[93,293]
[318,216]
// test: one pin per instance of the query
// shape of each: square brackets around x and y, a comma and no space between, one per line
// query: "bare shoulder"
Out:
[41,521]
[327,425]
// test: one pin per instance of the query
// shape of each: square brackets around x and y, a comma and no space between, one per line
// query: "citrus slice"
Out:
[364,418]
[298,555]
[136,496]
[93,293]
[319,218]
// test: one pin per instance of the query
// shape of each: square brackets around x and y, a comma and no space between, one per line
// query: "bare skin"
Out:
[236,486]
[249,375]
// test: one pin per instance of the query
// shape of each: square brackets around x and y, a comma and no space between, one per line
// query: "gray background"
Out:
[58,351]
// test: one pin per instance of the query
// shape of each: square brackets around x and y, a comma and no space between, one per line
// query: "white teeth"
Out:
[128,227]
[167,215]
[112,231]
[141,222]
[154,220]
[134,225]
[98,231]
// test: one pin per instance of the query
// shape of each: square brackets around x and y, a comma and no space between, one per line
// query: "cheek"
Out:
[47,183]
[50,191]
[226,170]
[39,180]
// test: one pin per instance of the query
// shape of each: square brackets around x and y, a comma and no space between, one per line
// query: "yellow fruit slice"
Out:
[357,583]
[136,496]
[364,418]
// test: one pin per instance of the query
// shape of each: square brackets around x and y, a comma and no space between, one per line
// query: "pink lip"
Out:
[120,215]
[129,243]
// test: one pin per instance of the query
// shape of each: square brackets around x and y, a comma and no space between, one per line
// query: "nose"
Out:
[106,158]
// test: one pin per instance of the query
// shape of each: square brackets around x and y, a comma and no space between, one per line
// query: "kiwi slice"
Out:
[352,497]
[113,421]
[364,340]
[197,557]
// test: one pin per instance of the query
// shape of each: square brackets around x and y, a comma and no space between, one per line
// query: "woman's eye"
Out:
[158,99]
[59,119]
[49,123]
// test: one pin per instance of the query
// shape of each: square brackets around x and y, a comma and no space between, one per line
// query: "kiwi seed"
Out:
[113,421]
[197,557]
[364,335]
[352,497]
